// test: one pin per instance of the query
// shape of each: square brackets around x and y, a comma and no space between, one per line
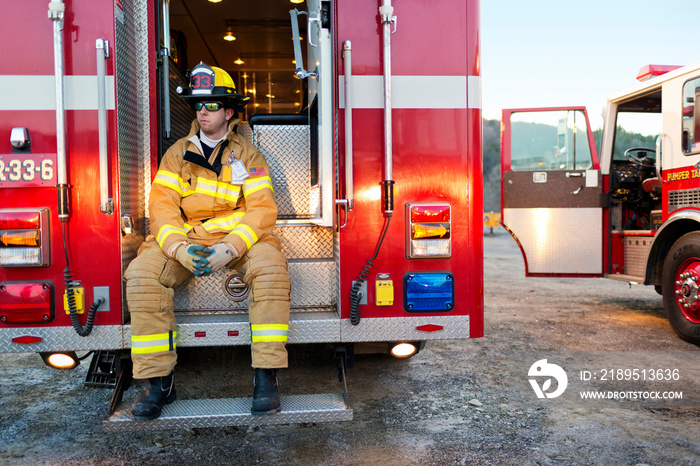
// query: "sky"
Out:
[546,53]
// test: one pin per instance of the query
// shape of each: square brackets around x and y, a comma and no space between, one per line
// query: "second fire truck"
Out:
[629,211]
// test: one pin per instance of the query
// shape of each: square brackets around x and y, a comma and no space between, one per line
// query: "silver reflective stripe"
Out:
[265,333]
[147,344]
[32,92]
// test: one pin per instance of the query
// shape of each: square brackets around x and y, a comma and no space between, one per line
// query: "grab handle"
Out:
[106,202]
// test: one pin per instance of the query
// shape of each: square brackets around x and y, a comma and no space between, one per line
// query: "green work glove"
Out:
[221,254]
[193,258]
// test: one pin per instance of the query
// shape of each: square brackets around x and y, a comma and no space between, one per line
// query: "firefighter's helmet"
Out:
[213,83]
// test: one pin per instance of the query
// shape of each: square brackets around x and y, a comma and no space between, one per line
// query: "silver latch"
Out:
[235,287]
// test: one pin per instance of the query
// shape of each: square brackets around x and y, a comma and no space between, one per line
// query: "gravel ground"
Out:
[466,402]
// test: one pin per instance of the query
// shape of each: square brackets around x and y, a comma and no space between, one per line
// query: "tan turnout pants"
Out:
[150,280]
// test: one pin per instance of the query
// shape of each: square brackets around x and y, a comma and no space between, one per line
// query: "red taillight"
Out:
[13,220]
[430,213]
[26,302]
[24,238]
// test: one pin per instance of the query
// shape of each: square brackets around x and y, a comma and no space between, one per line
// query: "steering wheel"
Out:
[636,159]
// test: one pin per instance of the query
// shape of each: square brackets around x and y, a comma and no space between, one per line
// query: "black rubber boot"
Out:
[266,397]
[160,391]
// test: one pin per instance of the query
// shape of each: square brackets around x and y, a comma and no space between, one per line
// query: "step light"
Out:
[61,360]
[404,350]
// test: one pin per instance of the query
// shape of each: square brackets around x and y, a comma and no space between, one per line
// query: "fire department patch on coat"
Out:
[257,171]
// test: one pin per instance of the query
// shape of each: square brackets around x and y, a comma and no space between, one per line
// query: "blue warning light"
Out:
[428,292]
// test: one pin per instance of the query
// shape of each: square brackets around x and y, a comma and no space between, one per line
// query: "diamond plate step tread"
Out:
[185,414]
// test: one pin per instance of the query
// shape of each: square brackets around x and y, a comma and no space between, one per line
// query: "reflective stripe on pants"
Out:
[269,332]
[142,344]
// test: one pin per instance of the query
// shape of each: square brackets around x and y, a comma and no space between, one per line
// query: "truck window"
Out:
[691,130]
[550,140]
[634,129]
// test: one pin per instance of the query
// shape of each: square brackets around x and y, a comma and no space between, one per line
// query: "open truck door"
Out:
[551,190]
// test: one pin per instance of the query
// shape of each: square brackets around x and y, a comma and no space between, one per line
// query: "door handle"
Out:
[578,190]
[575,174]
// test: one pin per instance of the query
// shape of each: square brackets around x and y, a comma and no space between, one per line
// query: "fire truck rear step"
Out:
[186,414]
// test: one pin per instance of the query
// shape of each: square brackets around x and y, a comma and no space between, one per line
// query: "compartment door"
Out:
[551,190]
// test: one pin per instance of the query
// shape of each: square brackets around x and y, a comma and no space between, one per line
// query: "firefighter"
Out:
[211,206]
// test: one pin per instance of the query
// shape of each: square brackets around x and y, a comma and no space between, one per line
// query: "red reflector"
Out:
[430,213]
[200,334]
[26,340]
[26,302]
[233,333]
[19,220]
[429,328]
[651,71]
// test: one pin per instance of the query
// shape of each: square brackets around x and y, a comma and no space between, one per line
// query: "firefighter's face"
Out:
[214,123]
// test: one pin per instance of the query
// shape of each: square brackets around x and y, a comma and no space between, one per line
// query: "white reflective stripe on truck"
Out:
[415,91]
[32,92]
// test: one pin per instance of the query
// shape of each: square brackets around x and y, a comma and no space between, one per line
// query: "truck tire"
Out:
[681,287]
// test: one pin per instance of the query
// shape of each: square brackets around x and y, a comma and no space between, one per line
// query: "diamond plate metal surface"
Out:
[234,330]
[286,149]
[305,242]
[181,114]
[305,326]
[404,328]
[317,327]
[327,407]
[133,122]
[62,339]
[636,253]
[559,240]
[313,285]
[683,198]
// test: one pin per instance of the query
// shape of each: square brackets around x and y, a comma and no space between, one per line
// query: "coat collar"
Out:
[194,131]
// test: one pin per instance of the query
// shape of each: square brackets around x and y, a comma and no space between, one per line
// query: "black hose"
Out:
[355,298]
[70,294]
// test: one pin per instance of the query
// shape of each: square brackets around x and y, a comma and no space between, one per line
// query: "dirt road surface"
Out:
[467,402]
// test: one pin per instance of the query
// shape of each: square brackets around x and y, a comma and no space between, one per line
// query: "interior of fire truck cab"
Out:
[635,188]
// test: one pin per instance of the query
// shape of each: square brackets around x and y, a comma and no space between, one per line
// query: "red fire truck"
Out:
[631,215]
[369,117]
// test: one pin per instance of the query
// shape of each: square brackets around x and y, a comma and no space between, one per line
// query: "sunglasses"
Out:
[210,106]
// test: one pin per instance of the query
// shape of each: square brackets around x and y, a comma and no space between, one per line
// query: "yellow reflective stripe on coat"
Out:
[217,189]
[143,344]
[269,332]
[246,234]
[256,184]
[223,224]
[171,180]
[167,230]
